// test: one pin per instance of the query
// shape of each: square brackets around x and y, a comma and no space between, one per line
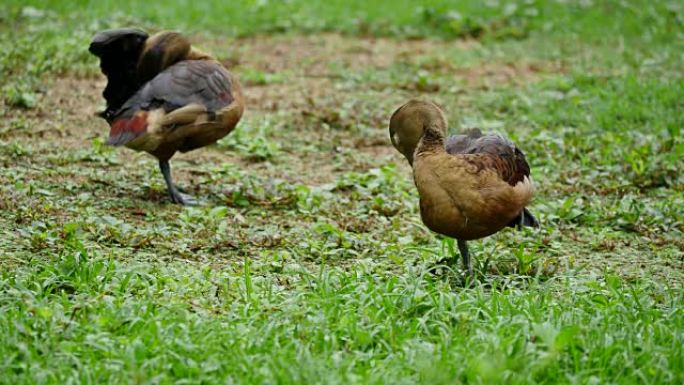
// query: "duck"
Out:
[470,185]
[164,96]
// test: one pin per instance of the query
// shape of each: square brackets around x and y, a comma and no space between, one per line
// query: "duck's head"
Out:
[409,122]
[161,51]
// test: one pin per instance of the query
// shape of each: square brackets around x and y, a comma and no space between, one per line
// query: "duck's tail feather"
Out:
[524,219]
[124,130]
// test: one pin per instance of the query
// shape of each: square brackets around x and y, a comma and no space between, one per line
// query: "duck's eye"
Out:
[395,138]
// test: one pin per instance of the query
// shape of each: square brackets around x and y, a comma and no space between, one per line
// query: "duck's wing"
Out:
[202,82]
[459,144]
[177,96]
[492,152]
[495,153]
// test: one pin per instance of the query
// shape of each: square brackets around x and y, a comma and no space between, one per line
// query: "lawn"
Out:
[307,262]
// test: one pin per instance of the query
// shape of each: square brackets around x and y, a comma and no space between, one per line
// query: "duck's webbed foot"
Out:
[451,260]
[183,199]
[175,195]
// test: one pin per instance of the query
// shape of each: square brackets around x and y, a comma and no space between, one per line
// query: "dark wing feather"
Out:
[118,50]
[460,144]
[189,82]
[193,81]
[494,152]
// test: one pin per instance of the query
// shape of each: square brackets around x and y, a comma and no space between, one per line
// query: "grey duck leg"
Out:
[176,196]
[465,254]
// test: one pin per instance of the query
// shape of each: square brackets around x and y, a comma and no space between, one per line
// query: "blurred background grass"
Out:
[650,20]
[40,36]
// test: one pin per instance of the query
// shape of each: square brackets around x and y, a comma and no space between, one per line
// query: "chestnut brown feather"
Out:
[160,52]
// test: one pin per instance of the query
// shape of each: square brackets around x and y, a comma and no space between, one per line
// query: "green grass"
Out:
[307,261]
[93,319]
[514,19]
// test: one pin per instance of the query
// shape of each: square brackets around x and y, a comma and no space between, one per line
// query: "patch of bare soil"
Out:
[314,53]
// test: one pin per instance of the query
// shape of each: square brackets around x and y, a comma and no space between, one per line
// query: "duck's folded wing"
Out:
[511,167]
[500,155]
[462,143]
[179,95]
[189,82]
[491,169]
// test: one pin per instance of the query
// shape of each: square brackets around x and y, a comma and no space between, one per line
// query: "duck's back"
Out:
[192,81]
[498,152]
[189,105]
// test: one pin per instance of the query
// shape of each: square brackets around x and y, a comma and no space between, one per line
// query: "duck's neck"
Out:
[196,54]
[431,141]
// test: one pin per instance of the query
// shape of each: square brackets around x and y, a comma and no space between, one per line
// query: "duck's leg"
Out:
[463,248]
[176,196]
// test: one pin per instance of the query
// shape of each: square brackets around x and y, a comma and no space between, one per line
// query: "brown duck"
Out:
[164,96]
[470,185]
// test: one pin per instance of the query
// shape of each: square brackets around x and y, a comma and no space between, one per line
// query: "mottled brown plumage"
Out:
[497,152]
[166,96]
[470,185]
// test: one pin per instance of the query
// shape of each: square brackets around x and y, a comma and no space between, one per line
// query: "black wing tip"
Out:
[530,220]
[525,219]
[521,161]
